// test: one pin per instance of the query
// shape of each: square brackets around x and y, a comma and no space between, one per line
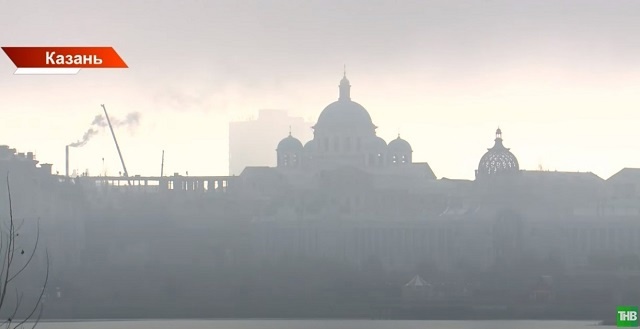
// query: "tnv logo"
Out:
[627,316]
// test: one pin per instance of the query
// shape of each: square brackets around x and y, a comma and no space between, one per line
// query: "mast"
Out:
[162,165]
[66,161]
[126,174]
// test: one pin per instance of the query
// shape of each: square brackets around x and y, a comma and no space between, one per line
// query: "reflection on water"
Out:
[315,324]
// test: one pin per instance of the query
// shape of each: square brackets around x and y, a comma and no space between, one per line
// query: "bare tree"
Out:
[14,262]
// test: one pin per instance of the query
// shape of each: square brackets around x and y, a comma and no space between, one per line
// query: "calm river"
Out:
[316,324]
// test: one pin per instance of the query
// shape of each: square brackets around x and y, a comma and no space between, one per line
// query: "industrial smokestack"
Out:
[66,161]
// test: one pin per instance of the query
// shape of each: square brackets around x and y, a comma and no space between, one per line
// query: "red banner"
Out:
[64,57]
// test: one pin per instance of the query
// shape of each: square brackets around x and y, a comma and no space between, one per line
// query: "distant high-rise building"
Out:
[251,143]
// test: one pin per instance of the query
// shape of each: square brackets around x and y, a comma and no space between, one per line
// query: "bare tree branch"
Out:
[33,252]
[39,302]
[10,246]
[35,323]
[19,227]
[18,302]
[1,248]
[8,251]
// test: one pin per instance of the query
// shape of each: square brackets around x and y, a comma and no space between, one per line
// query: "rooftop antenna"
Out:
[66,161]
[124,167]
[162,165]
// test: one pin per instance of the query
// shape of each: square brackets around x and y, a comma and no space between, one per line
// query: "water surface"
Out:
[317,324]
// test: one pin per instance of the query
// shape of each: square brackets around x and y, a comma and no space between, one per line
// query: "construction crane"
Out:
[126,174]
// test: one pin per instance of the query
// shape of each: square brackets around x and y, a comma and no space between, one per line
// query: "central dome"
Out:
[344,113]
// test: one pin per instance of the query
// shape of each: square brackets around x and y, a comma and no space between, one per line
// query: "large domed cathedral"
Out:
[348,194]
[345,136]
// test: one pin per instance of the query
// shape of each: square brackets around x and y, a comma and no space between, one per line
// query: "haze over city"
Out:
[320,164]
[561,78]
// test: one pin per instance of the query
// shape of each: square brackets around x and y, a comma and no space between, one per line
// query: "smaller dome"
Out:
[310,146]
[290,144]
[400,145]
[498,160]
[377,143]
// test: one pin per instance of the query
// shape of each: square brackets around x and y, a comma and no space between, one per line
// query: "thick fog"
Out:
[474,155]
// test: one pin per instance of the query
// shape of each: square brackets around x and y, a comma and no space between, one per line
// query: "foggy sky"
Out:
[561,78]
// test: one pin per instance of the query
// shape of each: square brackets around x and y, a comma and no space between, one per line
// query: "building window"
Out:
[336,144]
[326,144]
[347,144]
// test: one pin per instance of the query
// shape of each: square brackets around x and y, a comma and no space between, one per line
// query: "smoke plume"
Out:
[192,99]
[100,122]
